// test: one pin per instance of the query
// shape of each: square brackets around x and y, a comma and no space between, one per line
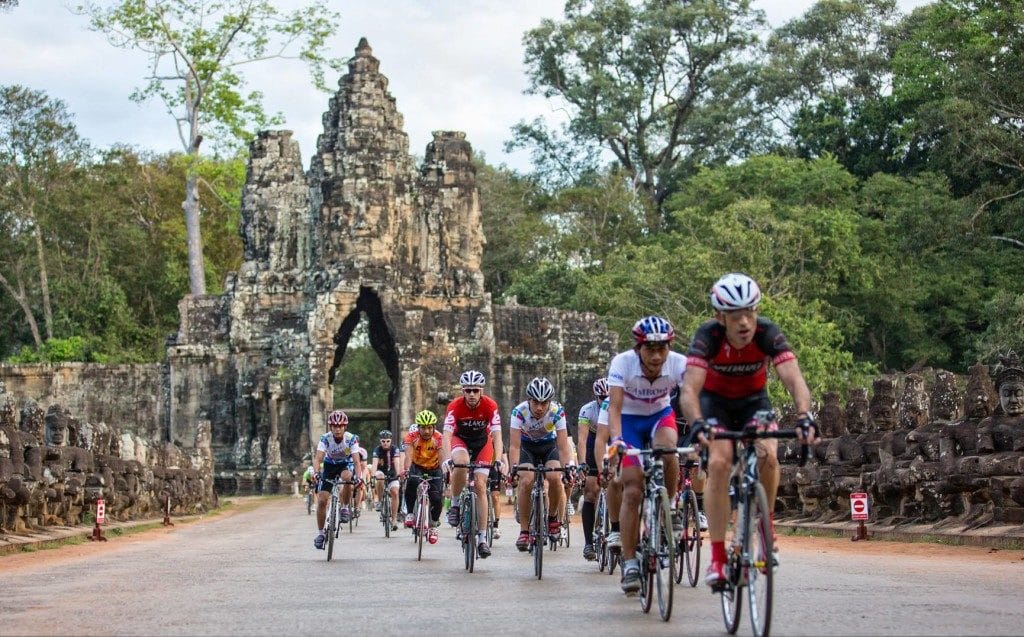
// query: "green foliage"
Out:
[361,382]
[653,83]
[58,350]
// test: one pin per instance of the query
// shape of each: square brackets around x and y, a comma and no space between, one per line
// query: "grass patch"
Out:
[51,544]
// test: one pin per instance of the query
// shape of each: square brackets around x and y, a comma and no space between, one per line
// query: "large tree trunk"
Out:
[22,299]
[44,282]
[193,236]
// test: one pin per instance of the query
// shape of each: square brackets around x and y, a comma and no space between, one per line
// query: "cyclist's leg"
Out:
[591,490]
[378,486]
[346,489]
[411,483]
[484,456]
[636,434]
[393,488]
[460,455]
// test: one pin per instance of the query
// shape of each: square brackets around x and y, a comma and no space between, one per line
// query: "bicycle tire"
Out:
[332,519]
[731,594]
[662,545]
[759,548]
[420,529]
[690,544]
[565,525]
[469,531]
[490,523]
[385,513]
[540,534]
[600,516]
[309,503]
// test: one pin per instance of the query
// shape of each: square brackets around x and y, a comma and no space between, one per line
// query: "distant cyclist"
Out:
[387,460]
[538,438]
[422,462]
[336,459]
[725,384]
[640,384]
[472,433]
[587,425]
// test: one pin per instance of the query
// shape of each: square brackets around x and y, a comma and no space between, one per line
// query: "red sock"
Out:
[718,551]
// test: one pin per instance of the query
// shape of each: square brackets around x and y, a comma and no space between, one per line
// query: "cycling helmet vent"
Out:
[337,417]
[471,378]
[426,417]
[540,389]
[735,291]
[601,387]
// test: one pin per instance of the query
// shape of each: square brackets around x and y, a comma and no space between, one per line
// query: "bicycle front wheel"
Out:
[469,531]
[662,545]
[385,513]
[491,521]
[690,541]
[332,522]
[540,521]
[759,547]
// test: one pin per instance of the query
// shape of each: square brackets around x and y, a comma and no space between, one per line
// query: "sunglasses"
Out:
[473,390]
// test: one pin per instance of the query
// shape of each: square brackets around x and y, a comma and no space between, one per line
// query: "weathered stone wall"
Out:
[54,466]
[927,447]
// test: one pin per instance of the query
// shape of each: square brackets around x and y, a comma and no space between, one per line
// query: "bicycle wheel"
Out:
[332,520]
[759,548]
[385,513]
[309,503]
[690,543]
[663,550]
[565,524]
[420,528]
[469,530]
[540,521]
[600,533]
[732,593]
[490,523]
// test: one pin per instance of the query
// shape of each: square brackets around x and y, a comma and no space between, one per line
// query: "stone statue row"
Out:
[53,469]
[925,450]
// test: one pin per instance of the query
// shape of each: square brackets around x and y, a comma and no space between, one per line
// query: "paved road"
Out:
[256,573]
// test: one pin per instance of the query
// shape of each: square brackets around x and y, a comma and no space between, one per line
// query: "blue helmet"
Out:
[653,329]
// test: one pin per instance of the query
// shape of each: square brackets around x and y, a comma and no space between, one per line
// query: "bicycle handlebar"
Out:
[750,433]
[658,452]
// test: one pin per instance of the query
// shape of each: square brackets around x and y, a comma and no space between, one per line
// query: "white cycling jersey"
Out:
[338,452]
[589,414]
[537,429]
[642,397]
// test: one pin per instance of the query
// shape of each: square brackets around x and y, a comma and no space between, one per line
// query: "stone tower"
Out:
[364,232]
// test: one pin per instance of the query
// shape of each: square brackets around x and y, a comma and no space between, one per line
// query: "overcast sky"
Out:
[452,65]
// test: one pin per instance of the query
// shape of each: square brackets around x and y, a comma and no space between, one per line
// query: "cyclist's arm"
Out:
[582,428]
[789,374]
[318,462]
[499,446]
[515,442]
[446,445]
[615,412]
[689,394]
[562,442]
[600,444]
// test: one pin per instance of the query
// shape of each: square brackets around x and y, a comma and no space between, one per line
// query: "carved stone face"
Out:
[1011,398]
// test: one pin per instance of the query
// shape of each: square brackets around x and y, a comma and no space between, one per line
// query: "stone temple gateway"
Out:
[364,232]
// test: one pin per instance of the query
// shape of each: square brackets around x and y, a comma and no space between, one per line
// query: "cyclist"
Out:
[386,462]
[538,436]
[608,479]
[309,478]
[587,425]
[640,384]
[725,384]
[423,461]
[362,479]
[472,433]
[336,458]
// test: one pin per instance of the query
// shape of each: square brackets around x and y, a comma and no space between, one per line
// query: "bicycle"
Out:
[385,508]
[750,551]
[421,513]
[606,558]
[538,526]
[656,548]
[690,539]
[309,499]
[352,509]
[468,526]
[332,527]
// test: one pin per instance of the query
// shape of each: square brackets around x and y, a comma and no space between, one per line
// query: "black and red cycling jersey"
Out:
[735,373]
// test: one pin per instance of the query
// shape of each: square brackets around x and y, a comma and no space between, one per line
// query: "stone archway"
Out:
[364,231]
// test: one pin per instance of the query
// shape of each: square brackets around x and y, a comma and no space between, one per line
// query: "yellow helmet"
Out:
[426,417]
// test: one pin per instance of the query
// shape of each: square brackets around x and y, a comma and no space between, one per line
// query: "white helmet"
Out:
[601,387]
[735,291]
[540,389]
[471,378]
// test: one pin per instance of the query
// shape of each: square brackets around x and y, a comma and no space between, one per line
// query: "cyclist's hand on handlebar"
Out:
[700,432]
[806,429]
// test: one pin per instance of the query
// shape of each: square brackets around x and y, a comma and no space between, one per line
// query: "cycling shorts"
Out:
[589,458]
[480,451]
[331,473]
[638,431]
[538,454]
[734,413]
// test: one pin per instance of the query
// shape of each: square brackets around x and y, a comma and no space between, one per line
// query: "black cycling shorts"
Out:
[733,413]
[538,454]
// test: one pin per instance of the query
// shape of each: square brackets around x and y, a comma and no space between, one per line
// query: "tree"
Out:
[653,82]
[826,80]
[196,50]
[960,60]
[39,148]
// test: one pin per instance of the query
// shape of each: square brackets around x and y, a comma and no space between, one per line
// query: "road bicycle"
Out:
[385,507]
[309,499]
[421,513]
[690,540]
[750,563]
[606,558]
[656,547]
[332,526]
[353,510]
[538,526]
[468,525]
